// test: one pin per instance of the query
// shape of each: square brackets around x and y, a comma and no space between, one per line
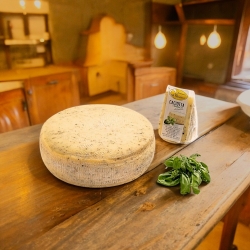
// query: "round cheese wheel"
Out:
[97,145]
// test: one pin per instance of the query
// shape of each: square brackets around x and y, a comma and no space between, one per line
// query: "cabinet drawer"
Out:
[50,79]
[153,83]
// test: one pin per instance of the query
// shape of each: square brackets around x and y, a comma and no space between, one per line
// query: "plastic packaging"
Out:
[178,120]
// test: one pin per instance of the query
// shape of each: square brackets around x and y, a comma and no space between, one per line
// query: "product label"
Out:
[175,113]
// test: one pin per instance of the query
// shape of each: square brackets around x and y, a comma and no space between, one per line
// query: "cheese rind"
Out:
[97,145]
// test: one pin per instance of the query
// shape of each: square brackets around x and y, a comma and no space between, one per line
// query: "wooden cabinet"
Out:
[153,81]
[47,95]
[25,39]
[13,110]
[144,81]
[31,96]
[107,56]
[111,75]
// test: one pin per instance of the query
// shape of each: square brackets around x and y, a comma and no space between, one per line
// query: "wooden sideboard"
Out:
[149,81]
[136,80]
[41,93]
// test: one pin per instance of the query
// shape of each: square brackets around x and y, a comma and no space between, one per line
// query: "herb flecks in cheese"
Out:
[179,106]
[97,145]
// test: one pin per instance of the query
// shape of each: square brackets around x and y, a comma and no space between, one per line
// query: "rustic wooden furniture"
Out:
[13,110]
[47,95]
[144,81]
[45,91]
[19,35]
[112,63]
[38,211]
[107,56]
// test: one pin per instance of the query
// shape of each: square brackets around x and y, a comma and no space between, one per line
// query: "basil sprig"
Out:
[186,171]
[170,120]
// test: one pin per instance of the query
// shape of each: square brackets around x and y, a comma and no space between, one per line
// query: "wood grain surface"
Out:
[41,212]
[144,215]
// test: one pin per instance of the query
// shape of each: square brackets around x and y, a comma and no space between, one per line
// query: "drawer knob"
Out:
[154,84]
[52,82]
[30,92]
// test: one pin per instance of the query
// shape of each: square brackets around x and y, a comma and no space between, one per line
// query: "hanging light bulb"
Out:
[203,40]
[160,40]
[37,3]
[214,39]
[22,3]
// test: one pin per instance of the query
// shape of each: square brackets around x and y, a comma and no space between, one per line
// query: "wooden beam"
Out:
[201,1]
[181,54]
[180,12]
[211,21]
[168,23]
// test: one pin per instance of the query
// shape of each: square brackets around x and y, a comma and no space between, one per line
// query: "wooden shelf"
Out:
[191,2]
[212,21]
[24,42]
[27,37]
[168,23]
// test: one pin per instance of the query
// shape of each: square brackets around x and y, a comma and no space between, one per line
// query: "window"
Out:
[241,66]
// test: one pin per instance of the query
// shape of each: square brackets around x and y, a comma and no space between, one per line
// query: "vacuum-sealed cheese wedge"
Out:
[178,119]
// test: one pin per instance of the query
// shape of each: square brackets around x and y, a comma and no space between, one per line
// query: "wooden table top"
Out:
[38,211]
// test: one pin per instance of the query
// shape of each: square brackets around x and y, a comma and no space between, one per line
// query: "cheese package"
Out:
[178,119]
[97,145]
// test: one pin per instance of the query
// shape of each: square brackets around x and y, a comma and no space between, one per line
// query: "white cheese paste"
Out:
[97,145]
[178,119]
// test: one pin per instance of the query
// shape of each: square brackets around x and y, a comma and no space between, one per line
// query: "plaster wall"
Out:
[202,62]
[68,18]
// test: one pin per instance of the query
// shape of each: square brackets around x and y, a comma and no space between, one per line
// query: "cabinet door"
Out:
[13,111]
[97,80]
[109,76]
[47,95]
[153,82]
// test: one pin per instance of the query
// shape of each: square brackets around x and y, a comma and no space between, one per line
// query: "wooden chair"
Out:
[13,110]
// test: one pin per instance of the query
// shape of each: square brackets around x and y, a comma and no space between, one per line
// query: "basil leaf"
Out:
[194,156]
[167,180]
[204,165]
[177,163]
[185,184]
[169,162]
[195,182]
[205,176]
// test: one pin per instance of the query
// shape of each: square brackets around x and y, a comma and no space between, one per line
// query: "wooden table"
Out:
[38,211]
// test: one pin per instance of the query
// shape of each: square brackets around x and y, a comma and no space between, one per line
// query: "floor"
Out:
[109,97]
[241,240]
[212,241]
